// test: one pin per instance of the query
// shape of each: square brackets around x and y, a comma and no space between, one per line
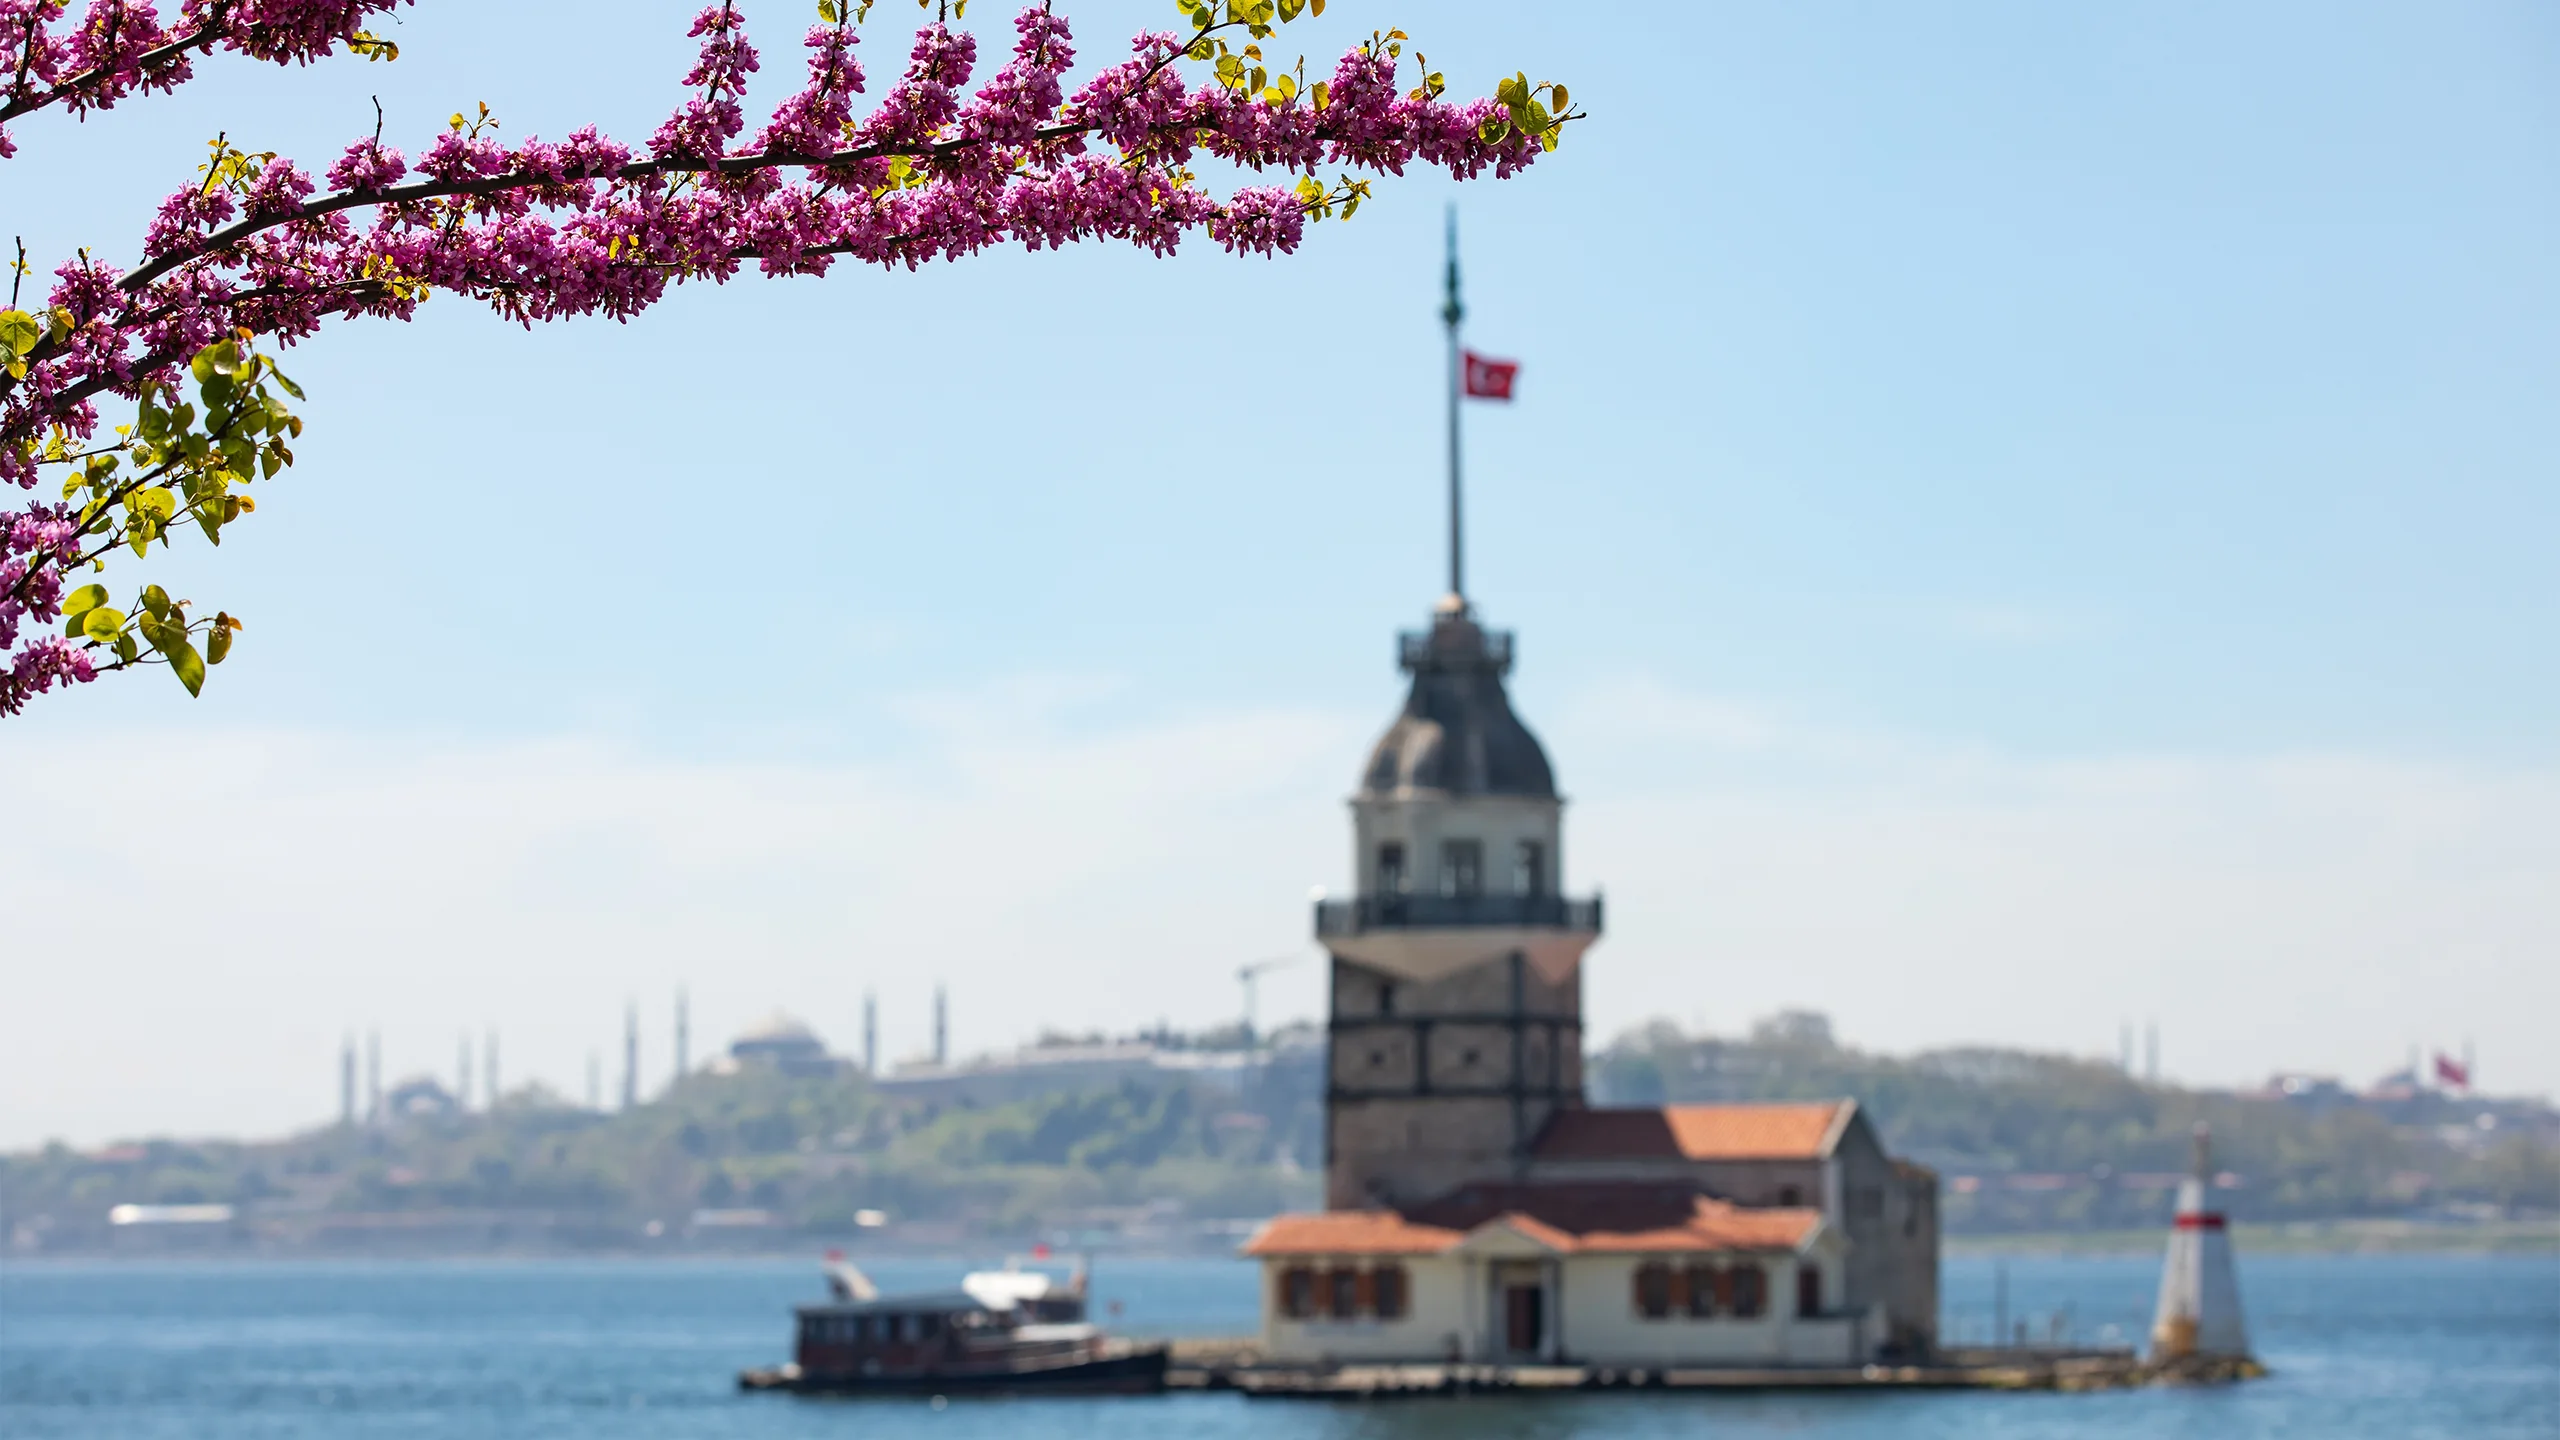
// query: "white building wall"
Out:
[1603,1327]
[1594,1321]
[1436,1312]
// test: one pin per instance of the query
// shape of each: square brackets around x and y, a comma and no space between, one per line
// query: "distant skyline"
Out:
[2018,521]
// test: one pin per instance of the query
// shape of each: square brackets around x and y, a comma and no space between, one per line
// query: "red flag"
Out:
[1489,379]
[2450,1073]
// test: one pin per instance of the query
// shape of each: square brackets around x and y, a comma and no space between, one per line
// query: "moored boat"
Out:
[1001,1331]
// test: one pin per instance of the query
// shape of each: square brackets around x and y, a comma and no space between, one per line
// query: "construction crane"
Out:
[1247,975]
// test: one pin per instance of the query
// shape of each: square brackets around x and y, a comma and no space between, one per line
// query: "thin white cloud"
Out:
[2308,910]
[188,943]
[297,885]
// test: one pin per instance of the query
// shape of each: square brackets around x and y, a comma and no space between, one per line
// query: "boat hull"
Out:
[1136,1372]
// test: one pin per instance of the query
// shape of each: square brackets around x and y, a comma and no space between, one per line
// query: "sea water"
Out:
[2394,1348]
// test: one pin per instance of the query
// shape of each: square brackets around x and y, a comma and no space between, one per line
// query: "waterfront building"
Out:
[1477,1209]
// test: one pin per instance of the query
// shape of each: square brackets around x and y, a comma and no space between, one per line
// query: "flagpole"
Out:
[1450,313]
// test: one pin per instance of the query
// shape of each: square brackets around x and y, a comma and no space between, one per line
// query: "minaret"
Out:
[631,1057]
[489,1069]
[1456,1012]
[347,1083]
[683,1036]
[373,1077]
[941,1026]
[870,1033]
[2199,1315]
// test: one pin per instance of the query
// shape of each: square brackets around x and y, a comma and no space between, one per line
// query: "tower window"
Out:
[1391,868]
[1529,868]
[1462,867]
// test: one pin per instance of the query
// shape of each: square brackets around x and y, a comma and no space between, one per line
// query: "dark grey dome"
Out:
[1457,733]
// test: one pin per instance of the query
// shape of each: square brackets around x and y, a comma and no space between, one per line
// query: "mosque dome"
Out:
[1457,735]
[775,1031]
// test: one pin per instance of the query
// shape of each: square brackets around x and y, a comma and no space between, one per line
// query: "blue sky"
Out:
[2018,520]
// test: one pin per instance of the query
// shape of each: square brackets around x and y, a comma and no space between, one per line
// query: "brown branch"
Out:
[240,230]
[204,37]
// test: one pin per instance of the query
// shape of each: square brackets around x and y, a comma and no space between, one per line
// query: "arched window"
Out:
[1808,1290]
[1702,1291]
[1298,1292]
[1391,868]
[1389,1282]
[1653,1290]
[1750,1291]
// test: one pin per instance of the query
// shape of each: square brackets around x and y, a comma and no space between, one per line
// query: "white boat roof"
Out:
[1004,1289]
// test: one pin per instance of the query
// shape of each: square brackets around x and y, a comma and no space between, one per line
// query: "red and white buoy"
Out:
[2199,1317]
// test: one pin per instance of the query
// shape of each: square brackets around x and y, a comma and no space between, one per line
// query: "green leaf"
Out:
[102,622]
[187,665]
[217,645]
[84,599]
[126,650]
[155,600]
[19,331]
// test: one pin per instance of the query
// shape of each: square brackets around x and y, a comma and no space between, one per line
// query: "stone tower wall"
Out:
[1434,1085]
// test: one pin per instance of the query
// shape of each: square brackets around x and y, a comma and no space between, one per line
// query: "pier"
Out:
[1230,1364]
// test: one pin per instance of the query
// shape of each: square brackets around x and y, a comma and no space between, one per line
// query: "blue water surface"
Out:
[2396,1348]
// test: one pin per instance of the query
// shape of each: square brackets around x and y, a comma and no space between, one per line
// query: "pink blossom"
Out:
[588,225]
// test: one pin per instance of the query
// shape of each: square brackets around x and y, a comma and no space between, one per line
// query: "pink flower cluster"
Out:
[33,544]
[586,226]
[118,48]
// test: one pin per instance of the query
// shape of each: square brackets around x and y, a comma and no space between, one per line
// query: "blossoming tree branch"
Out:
[254,255]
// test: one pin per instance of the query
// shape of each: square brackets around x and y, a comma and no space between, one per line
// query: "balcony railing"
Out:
[1414,651]
[1438,912]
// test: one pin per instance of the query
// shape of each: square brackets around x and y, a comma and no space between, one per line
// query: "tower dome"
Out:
[1457,735]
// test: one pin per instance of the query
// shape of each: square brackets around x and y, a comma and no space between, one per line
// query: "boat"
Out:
[1013,1330]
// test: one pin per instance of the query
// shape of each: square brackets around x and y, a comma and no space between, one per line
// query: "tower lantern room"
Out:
[1457,829]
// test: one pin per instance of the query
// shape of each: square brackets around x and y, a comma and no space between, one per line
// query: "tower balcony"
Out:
[1342,919]
[1455,646]
[1427,937]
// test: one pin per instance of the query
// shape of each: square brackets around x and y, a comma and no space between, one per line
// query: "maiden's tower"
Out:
[1477,1209]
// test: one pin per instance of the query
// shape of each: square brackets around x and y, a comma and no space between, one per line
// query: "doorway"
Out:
[1524,1319]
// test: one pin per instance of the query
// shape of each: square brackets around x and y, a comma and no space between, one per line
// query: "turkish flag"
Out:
[1489,379]
[2449,1073]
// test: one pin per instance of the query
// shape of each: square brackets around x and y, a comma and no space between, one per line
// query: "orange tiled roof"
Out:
[1714,1225]
[1565,1218]
[1349,1232]
[1693,1132]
